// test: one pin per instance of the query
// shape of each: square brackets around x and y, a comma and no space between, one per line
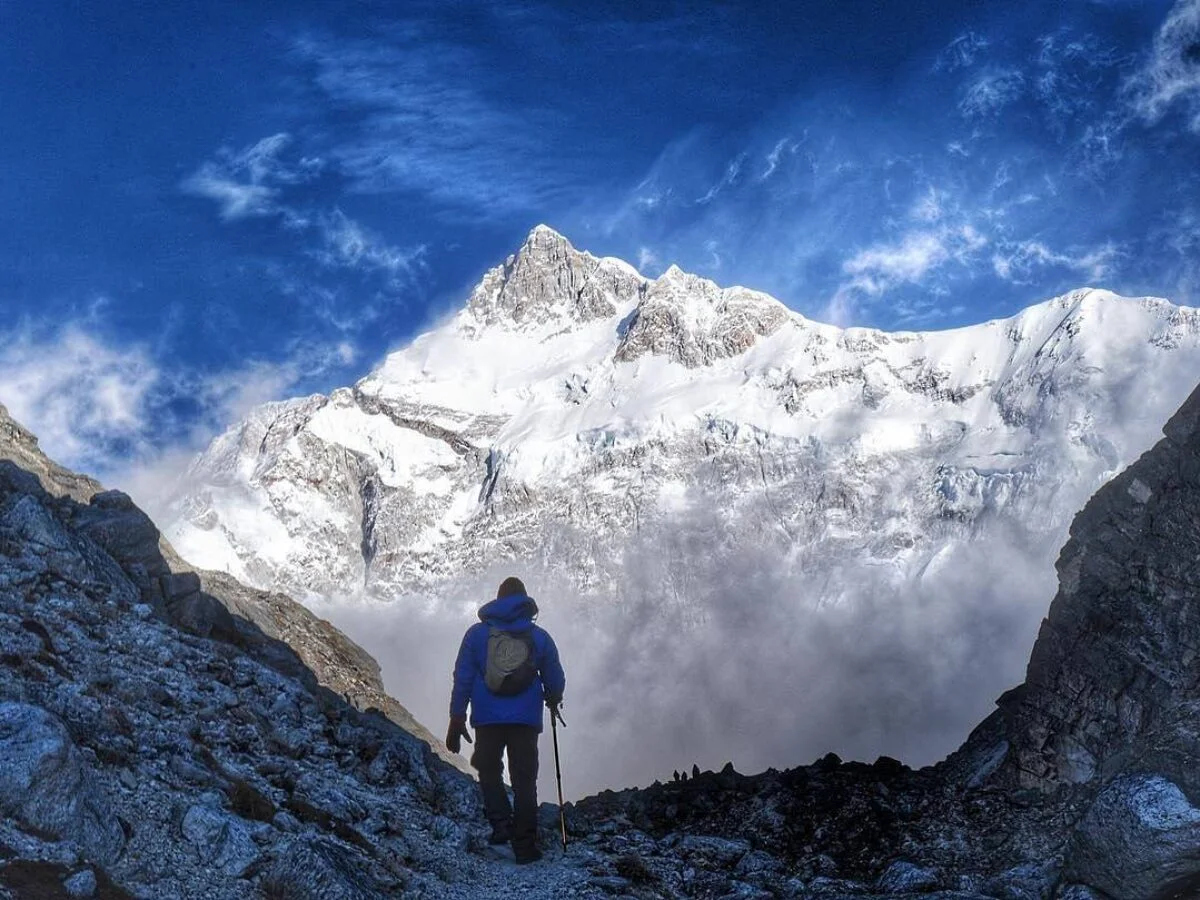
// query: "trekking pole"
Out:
[555,718]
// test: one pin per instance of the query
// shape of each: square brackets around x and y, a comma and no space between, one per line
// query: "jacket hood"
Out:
[515,612]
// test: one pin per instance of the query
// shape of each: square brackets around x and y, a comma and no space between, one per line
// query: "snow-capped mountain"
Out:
[574,403]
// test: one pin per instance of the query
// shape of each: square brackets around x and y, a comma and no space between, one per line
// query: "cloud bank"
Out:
[706,655]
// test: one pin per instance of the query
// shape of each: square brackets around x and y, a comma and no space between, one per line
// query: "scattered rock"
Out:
[612,884]
[319,869]
[721,851]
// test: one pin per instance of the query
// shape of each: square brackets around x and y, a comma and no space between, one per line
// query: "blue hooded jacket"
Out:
[515,612]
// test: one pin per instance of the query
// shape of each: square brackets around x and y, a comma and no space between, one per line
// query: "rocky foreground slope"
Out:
[155,742]
[168,734]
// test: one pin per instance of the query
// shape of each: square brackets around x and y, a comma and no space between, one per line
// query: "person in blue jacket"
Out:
[507,669]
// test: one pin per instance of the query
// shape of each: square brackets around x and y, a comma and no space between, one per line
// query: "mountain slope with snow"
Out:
[572,391]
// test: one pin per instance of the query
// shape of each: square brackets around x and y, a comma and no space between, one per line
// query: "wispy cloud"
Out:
[877,268]
[961,52]
[251,182]
[733,172]
[647,260]
[246,183]
[883,267]
[350,244]
[415,115]
[991,92]
[1170,77]
[86,399]
[1024,261]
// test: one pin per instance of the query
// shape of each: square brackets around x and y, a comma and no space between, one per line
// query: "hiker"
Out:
[507,668]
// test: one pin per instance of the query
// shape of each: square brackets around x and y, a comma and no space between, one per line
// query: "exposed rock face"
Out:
[21,446]
[1140,840]
[151,727]
[209,604]
[1121,644]
[548,280]
[693,322]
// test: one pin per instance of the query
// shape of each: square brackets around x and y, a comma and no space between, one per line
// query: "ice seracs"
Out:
[573,403]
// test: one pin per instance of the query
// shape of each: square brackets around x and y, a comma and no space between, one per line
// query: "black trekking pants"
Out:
[521,741]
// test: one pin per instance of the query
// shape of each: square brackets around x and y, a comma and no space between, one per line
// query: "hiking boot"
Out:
[499,835]
[527,855]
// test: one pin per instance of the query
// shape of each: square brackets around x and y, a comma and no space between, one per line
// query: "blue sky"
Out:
[205,206]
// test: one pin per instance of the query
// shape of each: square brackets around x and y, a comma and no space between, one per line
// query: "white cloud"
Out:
[729,179]
[878,268]
[84,398]
[991,92]
[349,244]
[1019,261]
[712,247]
[424,120]
[961,52]
[1171,74]
[237,201]
[109,409]
[773,158]
[884,266]
[647,260]
[913,259]
[251,182]
[245,183]
[870,684]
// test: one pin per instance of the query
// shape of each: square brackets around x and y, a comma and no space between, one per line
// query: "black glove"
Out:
[458,729]
[553,702]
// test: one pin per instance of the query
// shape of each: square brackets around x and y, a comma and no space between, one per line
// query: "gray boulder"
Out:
[81,884]
[903,877]
[320,869]
[222,839]
[1139,840]
[45,784]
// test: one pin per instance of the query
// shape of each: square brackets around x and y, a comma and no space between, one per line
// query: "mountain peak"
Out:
[548,282]
[544,236]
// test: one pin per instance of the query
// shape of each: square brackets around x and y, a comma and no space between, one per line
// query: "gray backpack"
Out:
[510,667]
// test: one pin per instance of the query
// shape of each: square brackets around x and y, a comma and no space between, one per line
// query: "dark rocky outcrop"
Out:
[1120,647]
